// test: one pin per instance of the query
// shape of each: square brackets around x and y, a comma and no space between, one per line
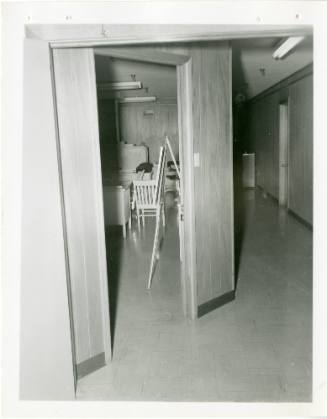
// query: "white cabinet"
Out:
[116,201]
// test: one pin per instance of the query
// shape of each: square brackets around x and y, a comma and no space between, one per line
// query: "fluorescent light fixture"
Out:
[138,99]
[120,85]
[287,46]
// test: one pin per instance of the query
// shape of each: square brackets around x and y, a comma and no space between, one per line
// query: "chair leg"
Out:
[163,216]
[143,218]
[124,231]
[130,222]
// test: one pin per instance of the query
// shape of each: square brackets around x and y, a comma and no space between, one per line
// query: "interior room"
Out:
[203,298]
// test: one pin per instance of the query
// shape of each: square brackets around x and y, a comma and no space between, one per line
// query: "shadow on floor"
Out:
[114,244]
[239,214]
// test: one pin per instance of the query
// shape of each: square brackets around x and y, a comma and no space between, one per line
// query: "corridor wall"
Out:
[263,113]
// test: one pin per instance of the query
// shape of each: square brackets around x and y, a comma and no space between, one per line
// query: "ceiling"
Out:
[251,55]
[254,69]
[157,79]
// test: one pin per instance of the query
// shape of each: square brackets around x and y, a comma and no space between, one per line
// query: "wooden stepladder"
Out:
[160,205]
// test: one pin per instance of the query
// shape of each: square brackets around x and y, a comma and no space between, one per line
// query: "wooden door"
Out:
[301,148]
[75,87]
[283,154]
[213,175]
[186,213]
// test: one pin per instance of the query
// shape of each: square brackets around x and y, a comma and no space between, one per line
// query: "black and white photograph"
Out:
[163,200]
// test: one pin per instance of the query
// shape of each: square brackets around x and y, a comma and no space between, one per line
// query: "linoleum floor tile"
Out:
[257,348]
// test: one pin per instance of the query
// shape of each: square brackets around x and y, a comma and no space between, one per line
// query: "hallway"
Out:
[256,348]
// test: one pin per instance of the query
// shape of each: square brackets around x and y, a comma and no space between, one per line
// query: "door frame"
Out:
[93,362]
[183,65]
[283,161]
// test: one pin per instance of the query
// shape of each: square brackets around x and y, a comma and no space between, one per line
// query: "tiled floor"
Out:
[257,348]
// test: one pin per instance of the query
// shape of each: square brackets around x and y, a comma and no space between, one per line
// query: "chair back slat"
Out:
[144,191]
[148,193]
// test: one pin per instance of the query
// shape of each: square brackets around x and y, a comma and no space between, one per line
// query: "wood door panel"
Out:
[81,173]
[187,239]
[214,177]
[301,148]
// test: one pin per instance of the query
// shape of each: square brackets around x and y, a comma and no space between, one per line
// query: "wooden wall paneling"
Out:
[107,122]
[137,128]
[256,137]
[275,130]
[283,154]
[301,148]
[270,146]
[273,153]
[214,178]
[296,168]
[308,150]
[250,126]
[264,142]
[264,129]
[187,239]
[261,145]
[253,136]
[81,171]
[107,132]
[264,112]
[202,198]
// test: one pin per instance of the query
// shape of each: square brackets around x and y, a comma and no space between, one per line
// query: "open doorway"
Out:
[137,108]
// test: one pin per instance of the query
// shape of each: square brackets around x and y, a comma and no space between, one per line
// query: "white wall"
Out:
[46,364]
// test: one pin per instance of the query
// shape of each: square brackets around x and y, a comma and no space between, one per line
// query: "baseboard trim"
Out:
[90,365]
[268,194]
[300,219]
[292,213]
[215,303]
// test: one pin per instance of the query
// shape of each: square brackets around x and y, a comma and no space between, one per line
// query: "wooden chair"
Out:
[148,196]
[146,200]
